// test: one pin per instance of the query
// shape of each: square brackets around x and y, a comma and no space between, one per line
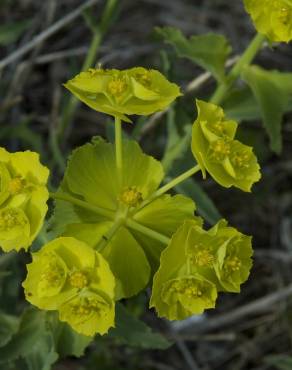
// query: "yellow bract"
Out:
[227,160]
[23,197]
[272,18]
[69,276]
[121,93]
[196,265]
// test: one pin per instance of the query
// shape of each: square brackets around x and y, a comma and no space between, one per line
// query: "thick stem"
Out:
[148,232]
[246,58]
[80,203]
[119,148]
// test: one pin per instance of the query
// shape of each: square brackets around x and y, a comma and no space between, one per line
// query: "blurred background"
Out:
[42,45]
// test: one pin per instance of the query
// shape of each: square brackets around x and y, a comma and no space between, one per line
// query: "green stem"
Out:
[148,232]
[108,236]
[119,148]
[246,58]
[98,210]
[56,151]
[74,102]
[177,180]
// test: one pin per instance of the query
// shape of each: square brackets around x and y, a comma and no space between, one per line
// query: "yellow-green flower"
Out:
[92,177]
[183,286]
[234,257]
[196,265]
[186,296]
[69,276]
[272,18]
[227,160]
[121,93]
[23,197]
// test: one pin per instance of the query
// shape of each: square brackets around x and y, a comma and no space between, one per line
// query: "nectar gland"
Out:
[10,218]
[117,87]
[201,256]
[219,150]
[131,197]
[78,280]
[16,185]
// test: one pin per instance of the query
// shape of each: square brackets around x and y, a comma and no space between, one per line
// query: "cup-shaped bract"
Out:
[23,198]
[181,287]
[234,257]
[120,93]
[92,177]
[227,160]
[69,276]
[272,18]
[196,265]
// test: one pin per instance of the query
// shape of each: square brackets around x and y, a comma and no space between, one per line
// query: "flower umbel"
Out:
[227,160]
[122,93]
[23,197]
[196,265]
[69,276]
[272,18]
[93,177]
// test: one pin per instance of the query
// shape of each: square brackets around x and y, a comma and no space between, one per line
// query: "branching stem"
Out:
[98,210]
[246,58]
[147,231]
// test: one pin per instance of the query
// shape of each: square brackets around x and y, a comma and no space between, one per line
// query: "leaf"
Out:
[9,33]
[33,341]
[134,332]
[67,341]
[205,206]
[241,105]
[281,362]
[209,51]
[272,91]
[8,327]
[43,354]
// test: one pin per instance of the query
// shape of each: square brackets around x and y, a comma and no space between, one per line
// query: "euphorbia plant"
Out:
[112,220]
[115,229]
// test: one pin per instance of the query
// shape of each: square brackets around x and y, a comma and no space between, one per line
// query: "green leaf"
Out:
[205,206]
[281,362]
[67,341]
[241,105]
[8,327]
[135,333]
[9,33]
[209,51]
[272,91]
[43,355]
[33,341]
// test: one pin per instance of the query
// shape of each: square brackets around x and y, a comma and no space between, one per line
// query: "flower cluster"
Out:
[272,18]
[120,93]
[23,197]
[196,265]
[227,160]
[69,276]
[112,224]
[92,176]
